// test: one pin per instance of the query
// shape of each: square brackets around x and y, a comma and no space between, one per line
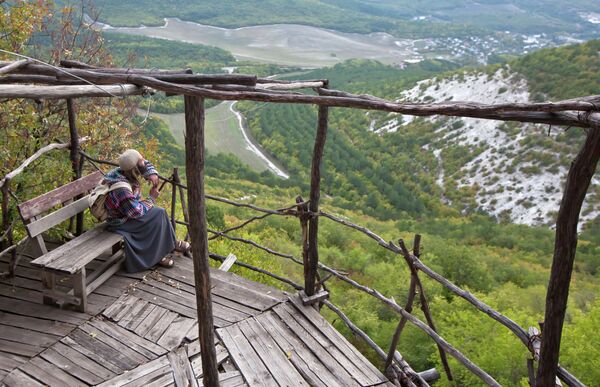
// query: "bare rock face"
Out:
[513,171]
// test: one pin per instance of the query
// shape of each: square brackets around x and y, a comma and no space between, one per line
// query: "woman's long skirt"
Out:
[147,239]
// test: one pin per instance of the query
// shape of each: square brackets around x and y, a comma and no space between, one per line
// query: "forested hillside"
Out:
[562,73]
[508,169]
[136,51]
[232,14]
[384,177]
[410,165]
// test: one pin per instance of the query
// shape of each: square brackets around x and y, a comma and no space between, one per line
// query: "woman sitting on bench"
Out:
[146,230]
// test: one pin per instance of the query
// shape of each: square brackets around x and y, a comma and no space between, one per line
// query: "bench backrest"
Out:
[32,209]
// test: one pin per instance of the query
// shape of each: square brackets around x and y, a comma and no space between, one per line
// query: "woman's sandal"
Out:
[166,262]
[182,247]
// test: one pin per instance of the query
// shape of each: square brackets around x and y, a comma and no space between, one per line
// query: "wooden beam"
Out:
[41,204]
[313,206]
[174,200]
[303,217]
[74,137]
[195,157]
[80,65]
[430,375]
[208,79]
[95,283]
[184,207]
[111,76]
[283,81]
[13,66]
[546,112]
[565,245]
[229,261]
[423,298]
[289,86]
[311,300]
[401,324]
[69,91]
[44,79]
[39,226]
[6,218]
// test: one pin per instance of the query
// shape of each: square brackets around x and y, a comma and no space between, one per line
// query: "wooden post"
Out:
[184,207]
[401,324]
[565,244]
[174,199]
[315,194]
[423,297]
[194,162]
[74,155]
[302,214]
[408,307]
[6,217]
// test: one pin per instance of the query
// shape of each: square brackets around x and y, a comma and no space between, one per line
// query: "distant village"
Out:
[481,50]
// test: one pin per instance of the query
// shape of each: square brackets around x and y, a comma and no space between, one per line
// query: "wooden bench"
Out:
[71,258]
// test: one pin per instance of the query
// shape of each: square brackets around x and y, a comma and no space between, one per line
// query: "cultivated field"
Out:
[285,44]
[223,135]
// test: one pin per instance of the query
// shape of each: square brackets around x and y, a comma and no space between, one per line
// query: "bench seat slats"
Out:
[45,202]
[73,255]
[67,247]
[90,252]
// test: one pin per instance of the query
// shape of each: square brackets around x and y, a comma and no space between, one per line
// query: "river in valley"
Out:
[226,133]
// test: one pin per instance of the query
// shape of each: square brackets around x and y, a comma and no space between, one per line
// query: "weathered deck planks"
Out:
[293,346]
[142,330]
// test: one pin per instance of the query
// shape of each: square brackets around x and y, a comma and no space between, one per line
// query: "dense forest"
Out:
[358,171]
[398,169]
[564,72]
[384,182]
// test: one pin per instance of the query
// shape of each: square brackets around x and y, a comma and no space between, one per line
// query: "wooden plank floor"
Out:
[293,345]
[141,329]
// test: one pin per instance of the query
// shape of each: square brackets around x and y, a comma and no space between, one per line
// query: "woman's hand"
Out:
[154,192]
[154,180]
